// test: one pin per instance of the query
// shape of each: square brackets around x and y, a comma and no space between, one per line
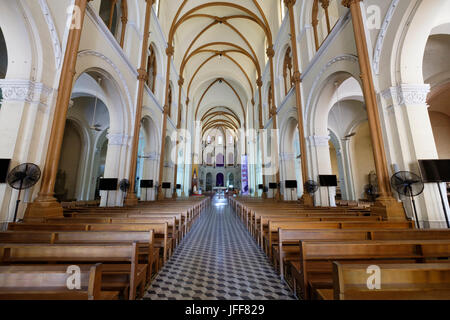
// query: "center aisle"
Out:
[218,260]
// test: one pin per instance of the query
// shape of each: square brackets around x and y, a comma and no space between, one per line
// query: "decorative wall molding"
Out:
[169,164]
[153,156]
[26,91]
[382,36]
[407,94]
[119,139]
[53,33]
[318,141]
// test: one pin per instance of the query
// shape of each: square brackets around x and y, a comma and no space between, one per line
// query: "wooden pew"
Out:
[50,283]
[427,281]
[272,234]
[160,230]
[314,268]
[288,239]
[120,262]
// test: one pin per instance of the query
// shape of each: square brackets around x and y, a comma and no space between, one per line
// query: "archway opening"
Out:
[436,72]
[220,180]
[362,160]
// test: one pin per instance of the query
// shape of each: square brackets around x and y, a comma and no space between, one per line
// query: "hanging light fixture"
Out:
[339,112]
[97,126]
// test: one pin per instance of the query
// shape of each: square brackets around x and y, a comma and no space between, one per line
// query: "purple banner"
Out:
[244,175]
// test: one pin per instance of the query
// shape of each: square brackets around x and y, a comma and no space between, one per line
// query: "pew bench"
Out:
[426,281]
[50,283]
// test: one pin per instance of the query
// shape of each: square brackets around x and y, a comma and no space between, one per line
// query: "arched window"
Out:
[114,14]
[325,15]
[152,69]
[230,159]
[287,71]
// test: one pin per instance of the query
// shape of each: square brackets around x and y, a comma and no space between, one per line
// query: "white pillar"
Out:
[410,138]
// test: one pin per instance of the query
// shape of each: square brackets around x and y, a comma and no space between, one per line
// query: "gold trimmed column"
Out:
[131,198]
[45,205]
[273,114]
[261,130]
[386,205]
[169,52]
[180,86]
[307,199]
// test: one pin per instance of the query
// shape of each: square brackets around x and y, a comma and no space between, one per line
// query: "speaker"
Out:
[146,184]
[260,187]
[290,184]
[108,184]
[166,185]
[178,186]
[435,170]
[328,181]
[272,185]
[4,167]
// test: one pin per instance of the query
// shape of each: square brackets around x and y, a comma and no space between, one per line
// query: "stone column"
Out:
[169,52]
[180,85]
[45,205]
[131,198]
[261,128]
[386,204]
[411,139]
[307,199]
[273,114]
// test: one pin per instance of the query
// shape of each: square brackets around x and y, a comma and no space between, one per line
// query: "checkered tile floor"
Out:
[218,260]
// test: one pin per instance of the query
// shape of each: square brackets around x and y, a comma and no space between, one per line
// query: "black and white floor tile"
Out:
[218,260]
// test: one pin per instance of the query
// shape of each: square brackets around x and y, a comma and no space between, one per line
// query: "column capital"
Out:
[270,52]
[348,3]
[259,82]
[273,111]
[325,4]
[142,74]
[166,109]
[181,81]
[187,101]
[318,141]
[289,3]
[297,77]
[170,50]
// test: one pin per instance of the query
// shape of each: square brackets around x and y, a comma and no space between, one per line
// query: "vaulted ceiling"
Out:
[220,51]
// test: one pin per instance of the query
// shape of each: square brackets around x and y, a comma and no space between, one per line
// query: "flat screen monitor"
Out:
[435,170]
[260,187]
[146,184]
[272,185]
[166,185]
[328,180]
[108,184]
[291,184]
[4,167]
